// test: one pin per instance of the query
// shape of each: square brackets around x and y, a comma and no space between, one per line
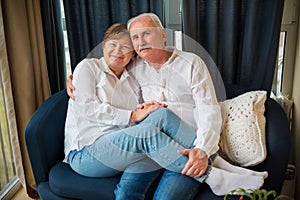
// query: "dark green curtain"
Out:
[87,21]
[54,44]
[241,36]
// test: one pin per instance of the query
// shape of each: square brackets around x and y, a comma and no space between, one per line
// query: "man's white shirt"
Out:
[185,85]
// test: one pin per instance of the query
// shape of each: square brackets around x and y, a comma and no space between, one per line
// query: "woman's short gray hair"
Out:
[153,16]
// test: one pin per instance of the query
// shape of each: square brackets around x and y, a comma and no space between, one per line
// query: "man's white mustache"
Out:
[145,47]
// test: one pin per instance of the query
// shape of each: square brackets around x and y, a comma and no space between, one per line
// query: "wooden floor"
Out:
[21,195]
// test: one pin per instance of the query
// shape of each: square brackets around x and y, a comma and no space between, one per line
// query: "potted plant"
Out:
[259,194]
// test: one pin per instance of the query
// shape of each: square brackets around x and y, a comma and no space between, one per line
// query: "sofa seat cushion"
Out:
[65,182]
[46,193]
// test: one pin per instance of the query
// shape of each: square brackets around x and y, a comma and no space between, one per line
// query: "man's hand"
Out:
[197,163]
[144,109]
[70,87]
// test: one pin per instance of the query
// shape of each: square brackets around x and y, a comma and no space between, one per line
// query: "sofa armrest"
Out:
[278,141]
[44,135]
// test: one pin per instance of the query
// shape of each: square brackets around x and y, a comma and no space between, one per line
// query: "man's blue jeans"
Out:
[158,137]
[172,186]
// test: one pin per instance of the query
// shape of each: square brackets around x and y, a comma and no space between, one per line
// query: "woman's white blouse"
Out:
[103,103]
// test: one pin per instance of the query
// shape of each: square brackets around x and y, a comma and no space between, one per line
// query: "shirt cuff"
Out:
[208,151]
[122,117]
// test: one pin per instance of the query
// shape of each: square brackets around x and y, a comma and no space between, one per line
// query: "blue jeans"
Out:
[171,186]
[133,150]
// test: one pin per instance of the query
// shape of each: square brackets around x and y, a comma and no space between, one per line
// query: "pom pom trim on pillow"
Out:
[243,140]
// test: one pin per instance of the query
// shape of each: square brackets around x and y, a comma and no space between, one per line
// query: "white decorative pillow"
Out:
[242,139]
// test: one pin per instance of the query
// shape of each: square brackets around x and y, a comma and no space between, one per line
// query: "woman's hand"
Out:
[70,87]
[150,104]
[144,109]
[197,163]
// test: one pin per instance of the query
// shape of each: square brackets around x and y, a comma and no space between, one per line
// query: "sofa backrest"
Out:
[44,135]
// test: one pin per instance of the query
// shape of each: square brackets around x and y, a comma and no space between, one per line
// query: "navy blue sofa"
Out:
[55,180]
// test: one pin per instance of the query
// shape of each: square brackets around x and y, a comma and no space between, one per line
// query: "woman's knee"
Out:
[161,117]
[162,112]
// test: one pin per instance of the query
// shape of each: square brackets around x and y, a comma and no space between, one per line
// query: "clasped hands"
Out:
[144,109]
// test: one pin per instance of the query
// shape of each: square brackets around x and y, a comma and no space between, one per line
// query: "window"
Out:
[67,53]
[284,70]
[277,83]
[283,75]
[9,181]
[173,22]
[7,166]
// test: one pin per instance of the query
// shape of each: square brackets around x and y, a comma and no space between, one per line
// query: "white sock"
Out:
[223,164]
[222,182]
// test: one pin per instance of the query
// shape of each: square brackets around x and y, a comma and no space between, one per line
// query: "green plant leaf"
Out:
[259,194]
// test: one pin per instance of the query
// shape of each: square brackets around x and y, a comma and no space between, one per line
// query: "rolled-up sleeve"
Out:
[207,112]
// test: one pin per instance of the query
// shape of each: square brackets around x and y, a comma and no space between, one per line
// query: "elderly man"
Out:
[182,81]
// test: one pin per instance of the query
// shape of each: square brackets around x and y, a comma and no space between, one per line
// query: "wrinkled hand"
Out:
[151,104]
[70,87]
[197,163]
[144,109]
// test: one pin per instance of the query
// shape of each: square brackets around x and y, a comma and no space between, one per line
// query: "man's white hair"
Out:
[153,16]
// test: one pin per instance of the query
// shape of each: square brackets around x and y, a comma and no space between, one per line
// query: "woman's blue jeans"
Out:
[145,147]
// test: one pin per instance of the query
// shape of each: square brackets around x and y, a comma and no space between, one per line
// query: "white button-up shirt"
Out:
[103,103]
[185,85]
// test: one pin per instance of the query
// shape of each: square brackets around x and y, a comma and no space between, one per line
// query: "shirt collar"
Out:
[124,75]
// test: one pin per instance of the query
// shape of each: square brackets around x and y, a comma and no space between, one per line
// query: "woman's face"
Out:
[117,53]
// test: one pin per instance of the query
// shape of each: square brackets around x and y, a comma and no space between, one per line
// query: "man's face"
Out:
[147,39]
